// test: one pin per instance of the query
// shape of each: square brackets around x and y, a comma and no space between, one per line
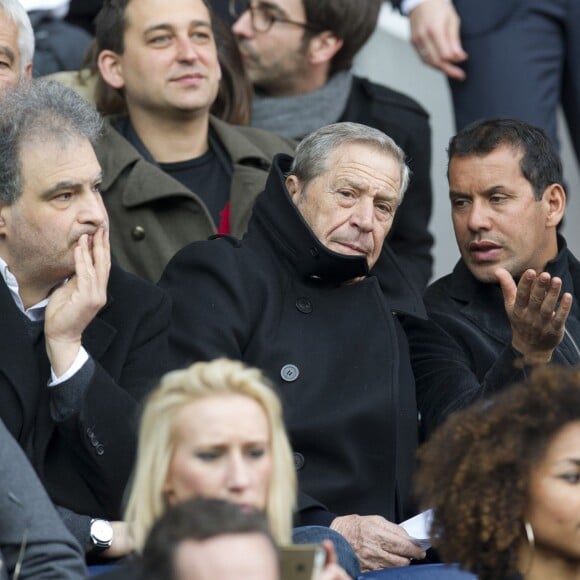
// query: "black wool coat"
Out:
[85,461]
[337,352]
[465,352]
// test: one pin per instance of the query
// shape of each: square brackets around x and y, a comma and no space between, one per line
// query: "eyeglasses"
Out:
[263,15]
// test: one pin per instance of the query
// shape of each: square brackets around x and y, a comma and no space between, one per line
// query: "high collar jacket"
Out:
[407,123]
[475,348]
[85,461]
[281,301]
[152,215]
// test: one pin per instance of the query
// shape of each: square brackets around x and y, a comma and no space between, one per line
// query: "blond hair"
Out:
[157,439]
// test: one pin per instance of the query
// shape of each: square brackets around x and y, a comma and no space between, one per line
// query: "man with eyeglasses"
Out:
[298,55]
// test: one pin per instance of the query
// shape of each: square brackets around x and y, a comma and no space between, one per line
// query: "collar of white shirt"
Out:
[36,311]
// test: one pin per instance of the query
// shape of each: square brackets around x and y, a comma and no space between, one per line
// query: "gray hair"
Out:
[313,152]
[16,13]
[37,111]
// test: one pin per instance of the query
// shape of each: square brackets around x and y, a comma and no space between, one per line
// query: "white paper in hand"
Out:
[418,528]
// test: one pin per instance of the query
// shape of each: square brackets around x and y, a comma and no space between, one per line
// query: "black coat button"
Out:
[138,233]
[298,461]
[304,305]
[289,373]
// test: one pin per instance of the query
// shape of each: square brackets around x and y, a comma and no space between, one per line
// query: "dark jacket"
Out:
[337,352]
[153,216]
[475,350]
[405,121]
[28,518]
[85,460]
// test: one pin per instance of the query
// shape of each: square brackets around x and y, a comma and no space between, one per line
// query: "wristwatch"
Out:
[101,532]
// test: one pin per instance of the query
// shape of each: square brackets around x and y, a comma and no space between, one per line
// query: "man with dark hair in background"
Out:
[173,172]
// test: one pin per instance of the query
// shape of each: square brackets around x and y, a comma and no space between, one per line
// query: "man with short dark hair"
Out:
[508,304]
[209,538]
[173,172]
[82,341]
[298,54]
[314,296]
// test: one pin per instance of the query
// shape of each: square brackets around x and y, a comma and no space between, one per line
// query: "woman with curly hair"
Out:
[503,478]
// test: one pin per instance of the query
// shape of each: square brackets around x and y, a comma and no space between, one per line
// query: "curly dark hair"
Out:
[475,470]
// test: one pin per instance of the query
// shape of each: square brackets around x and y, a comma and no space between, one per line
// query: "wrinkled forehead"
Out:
[366,159]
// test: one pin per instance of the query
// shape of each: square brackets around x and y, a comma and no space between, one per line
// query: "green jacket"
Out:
[152,215]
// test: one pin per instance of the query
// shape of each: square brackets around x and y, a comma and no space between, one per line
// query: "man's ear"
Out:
[111,70]
[555,198]
[323,47]
[294,188]
[4,208]
[28,72]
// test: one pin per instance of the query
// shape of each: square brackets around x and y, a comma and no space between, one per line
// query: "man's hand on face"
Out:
[537,320]
[73,306]
[377,542]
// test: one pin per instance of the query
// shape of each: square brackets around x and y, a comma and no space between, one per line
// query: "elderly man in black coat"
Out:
[314,297]
[299,55]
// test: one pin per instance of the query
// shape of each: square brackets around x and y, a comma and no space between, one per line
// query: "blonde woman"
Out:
[175,418]
[215,430]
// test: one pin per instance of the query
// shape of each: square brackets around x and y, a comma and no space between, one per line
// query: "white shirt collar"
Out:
[36,311]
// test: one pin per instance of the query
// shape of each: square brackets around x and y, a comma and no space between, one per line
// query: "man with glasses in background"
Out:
[298,55]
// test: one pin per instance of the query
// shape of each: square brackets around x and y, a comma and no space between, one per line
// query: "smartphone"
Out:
[301,561]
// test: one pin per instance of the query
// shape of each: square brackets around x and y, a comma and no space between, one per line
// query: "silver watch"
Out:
[101,532]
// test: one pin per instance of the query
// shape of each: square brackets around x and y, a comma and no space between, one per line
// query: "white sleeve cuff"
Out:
[407,6]
[81,358]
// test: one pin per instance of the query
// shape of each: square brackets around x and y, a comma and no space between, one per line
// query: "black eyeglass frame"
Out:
[272,18]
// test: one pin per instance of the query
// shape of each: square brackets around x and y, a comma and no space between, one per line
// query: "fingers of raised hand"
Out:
[92,269]
[552,289]
[561,314]
[537,295]
[524,290]
[102,255]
